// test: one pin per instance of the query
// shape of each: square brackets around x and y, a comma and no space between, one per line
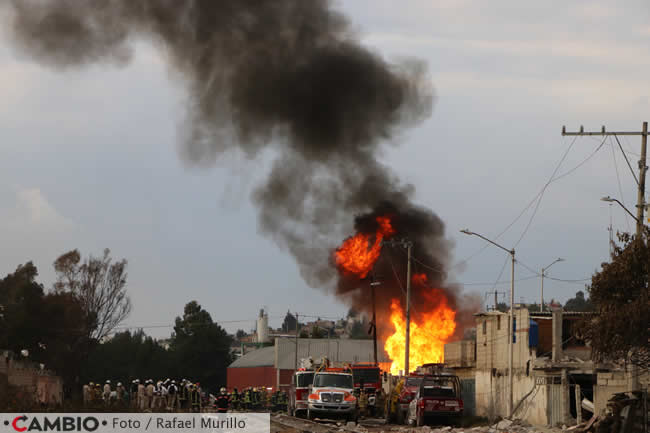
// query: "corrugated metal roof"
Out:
[263,357]
[336,350]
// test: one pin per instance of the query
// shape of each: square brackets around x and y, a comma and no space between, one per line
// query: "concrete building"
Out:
[273,366]
[552,369]
[30,383]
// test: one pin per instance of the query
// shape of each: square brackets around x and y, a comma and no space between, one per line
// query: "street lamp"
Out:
[608,199]
[541,304]
[510,316]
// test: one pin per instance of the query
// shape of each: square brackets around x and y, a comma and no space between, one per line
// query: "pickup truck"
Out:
[332,396]
[437,396]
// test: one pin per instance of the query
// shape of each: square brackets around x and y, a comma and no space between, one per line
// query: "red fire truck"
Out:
[370,375]
[299,392]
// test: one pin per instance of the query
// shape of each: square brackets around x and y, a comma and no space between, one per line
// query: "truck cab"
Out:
[370,376]
[332,395]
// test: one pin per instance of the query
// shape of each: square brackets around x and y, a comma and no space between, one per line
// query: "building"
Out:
[273,366]
[552,369]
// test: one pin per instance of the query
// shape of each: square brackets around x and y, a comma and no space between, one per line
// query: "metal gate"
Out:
[554,407]
[468,394]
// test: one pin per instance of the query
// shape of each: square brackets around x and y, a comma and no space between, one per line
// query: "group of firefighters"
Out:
[180,396]
[254,399]
[168,395]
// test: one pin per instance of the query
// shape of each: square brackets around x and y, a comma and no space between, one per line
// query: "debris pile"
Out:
[625,414]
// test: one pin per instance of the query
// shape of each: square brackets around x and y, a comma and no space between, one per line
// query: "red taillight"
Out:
[421,403]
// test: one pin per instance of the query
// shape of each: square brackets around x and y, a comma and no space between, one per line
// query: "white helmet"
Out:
[223,390]
[108,381]
[119,383]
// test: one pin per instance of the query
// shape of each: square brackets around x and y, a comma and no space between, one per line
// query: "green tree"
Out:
[317,332]
[201,347]
[240,334]
[621,299]
[579,303]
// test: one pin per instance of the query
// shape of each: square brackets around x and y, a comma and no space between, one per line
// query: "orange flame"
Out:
[432,325]
[356,256]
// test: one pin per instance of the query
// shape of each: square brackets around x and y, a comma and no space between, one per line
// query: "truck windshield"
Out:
[439,388]
[304,380]
[333,380]
[368,375]
[413,381]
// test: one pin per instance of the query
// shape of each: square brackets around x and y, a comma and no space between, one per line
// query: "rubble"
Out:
[504,424]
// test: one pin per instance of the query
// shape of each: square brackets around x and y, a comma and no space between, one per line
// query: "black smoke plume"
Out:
[285,74]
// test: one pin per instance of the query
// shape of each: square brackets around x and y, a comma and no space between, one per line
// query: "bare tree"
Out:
[100,285]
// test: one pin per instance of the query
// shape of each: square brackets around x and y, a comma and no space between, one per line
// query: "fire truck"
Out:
[370,375]
[332,394]
[299,391]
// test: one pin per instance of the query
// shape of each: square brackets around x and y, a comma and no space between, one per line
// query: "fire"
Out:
[356,255]
[432,325]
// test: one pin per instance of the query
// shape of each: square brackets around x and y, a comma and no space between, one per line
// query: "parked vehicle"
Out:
[411,386]
[370,376]
[299,392]
[332,395]
[437,396]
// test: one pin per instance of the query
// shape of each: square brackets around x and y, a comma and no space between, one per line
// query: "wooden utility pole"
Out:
[640,205]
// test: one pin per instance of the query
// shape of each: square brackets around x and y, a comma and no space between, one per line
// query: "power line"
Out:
[626,160]
[620,188]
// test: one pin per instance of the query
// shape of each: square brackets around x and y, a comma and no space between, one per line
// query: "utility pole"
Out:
[296,355]
[409,245]
[541,303]
[511,348]
[407,349]
[495,293]
[640,204]
[374,318]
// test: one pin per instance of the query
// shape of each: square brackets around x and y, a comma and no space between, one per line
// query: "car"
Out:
[437,397]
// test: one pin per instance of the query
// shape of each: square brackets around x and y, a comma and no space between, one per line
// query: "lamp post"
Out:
[541,304]
[510,316]
[608,199]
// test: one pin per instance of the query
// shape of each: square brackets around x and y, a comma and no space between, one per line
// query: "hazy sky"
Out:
[89,158]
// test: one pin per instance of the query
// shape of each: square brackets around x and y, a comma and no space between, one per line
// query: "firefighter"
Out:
[380,401]
[363,403]
[150,391]
[282,401]
[86,393]
[195,398]
[234,399]
[392,402]
[107,392]
[172,396]
[264,398]
[247,399]
[183,395]
[120,392]
[254,398]
[222,402]
[274,401]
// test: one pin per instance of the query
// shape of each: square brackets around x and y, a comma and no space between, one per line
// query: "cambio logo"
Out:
[62,423]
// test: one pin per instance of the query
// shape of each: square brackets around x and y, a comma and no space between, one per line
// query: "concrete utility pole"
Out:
[640,205]
[407,349]
[374,319]
[541,303]
[296,355]
[409,245]
[511,348]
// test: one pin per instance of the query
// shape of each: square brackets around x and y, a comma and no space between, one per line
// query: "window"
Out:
[333,380]
[498,323]
[484,327]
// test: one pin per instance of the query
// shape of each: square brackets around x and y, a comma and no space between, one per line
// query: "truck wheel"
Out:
[310,415]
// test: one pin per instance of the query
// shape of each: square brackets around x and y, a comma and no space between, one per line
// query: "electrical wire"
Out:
[620,188]
[626,160]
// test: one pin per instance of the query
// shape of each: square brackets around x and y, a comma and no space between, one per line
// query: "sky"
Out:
[90,159]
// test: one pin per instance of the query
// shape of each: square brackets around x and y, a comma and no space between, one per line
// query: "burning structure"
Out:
[289,77]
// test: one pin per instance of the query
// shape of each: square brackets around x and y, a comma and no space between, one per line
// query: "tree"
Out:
[579,303]
[240,334]
[201,347]
[621,299]
[317,332]
[100,285]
